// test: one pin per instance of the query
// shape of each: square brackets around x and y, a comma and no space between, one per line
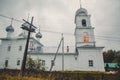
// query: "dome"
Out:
[81,11]
[10,28]
[38,35]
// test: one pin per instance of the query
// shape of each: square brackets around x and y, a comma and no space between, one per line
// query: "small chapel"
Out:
[86,56]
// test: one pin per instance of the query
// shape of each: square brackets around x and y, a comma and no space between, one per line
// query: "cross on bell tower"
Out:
[80,3]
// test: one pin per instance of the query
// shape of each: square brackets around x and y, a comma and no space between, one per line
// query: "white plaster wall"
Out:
[79,21]
[69,61]
[71,64]
[79,36]
[94,54]
[80,32]
[35,45]
[52,49]
[13,55]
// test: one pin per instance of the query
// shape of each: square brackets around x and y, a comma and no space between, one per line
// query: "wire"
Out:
[109,38]
[10,18]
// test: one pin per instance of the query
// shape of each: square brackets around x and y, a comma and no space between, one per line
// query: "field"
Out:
[57,75]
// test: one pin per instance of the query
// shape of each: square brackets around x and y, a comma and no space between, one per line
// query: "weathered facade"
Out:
[85,56]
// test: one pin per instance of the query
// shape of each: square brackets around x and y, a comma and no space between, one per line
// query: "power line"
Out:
[98,37]
[10,18]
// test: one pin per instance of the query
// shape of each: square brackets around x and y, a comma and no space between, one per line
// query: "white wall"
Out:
[69,61]
[95,54]
[71,64]
[13,55]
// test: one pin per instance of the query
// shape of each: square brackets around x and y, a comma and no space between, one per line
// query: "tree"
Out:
[30,64]
[109,56]
[34,64]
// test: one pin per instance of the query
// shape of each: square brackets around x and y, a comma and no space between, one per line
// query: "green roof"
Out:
[111,65]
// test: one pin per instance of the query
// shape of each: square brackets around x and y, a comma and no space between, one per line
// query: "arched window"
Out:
[86,37]
[84,22]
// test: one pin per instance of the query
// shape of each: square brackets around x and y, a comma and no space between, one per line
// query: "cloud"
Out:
[58,15]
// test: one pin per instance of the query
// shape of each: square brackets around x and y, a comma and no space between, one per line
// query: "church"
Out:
[86,56]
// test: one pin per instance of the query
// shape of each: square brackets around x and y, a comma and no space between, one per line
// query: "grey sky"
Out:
[58,16]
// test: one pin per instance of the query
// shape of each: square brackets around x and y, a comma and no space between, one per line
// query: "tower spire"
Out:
[80,4]
[12,20]
[39,28]
[28,17]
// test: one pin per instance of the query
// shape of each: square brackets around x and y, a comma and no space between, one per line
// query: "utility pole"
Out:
[61,42]
[26,47]
[62,52]
[56,55]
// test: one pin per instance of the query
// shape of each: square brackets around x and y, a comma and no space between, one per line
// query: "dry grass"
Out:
[8,77]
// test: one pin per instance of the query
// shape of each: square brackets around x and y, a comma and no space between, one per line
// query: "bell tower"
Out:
[84,32]
[90,57]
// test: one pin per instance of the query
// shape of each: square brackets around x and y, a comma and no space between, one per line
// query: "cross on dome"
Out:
[81,11]
[80,4]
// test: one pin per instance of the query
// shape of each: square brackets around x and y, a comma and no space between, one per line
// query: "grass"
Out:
[9,77]
[62,75]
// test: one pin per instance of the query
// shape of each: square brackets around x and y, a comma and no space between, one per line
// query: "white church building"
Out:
[84,57]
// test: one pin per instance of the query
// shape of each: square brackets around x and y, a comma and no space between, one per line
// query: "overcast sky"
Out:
[58,16]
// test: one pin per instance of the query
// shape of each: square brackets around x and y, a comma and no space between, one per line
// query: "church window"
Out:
[31,46]
[84,22]
[67,49]
[9,48]
[20,48]
[31,43]
[43,62]
[52,63]
[90,63]
[18,62]
[39,48]
[6,63]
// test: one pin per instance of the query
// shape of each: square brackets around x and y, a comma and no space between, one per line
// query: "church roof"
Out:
[21,39]
[51,53]
[81,11]
[89,46]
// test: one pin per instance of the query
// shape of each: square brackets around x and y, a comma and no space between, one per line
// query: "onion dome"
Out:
[10,28]
[38,35]
[82,11]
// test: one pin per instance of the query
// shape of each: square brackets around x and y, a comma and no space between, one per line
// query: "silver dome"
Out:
[81,11]
[38,35]
[10,28]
